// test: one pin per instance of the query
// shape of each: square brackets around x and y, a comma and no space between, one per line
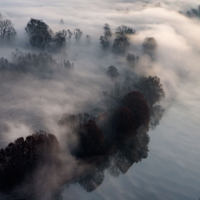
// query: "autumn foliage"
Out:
[20,159]
[137,104]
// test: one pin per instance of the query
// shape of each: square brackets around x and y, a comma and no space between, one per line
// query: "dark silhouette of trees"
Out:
[90,137]
[112,71]
[151,88]
[40,35]
[125,123]
[105,39]
[137,104]
[131,58]
[107,31]
[59,39]
[125,30]
[104,42]
[194,12]
[149,43]
[41,65]
[156,114]
[77,34]
[69,34]
[121,41]
[5,65]
[91,179]
[23,157]
[120,44]
[7,30]
[68,65]
[91,140]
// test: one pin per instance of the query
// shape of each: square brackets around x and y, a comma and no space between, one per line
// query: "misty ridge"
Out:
[89,99]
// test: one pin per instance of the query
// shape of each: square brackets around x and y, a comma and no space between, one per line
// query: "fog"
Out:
[39,97]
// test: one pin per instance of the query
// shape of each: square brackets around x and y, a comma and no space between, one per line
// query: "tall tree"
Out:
[40,35]
[7,30]
[77,34]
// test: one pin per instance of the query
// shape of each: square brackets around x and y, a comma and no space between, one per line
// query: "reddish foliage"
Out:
[22,157]
[136,102]
[91,140]
[125,123]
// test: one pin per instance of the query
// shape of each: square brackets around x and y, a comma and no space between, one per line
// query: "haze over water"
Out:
[171,170]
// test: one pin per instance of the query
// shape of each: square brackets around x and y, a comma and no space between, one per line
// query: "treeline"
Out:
[41,64]
[41,153]
[42,37]
[113,140]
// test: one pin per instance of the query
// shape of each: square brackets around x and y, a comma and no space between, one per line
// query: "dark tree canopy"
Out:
[137,104]
[40,35]
[151,88]
[194,12]
[59,40]
[62,21]
[131,58]
[125,123]
[125,30]
[41,65]
[23,157]
[6,65]
[149,43]
[91,140]
[104,42]
[107,31]
[120,44]
[7,30]
[112,71]
[156,114]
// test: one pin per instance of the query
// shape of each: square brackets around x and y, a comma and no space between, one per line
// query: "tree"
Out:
[59,40]
[77,34]
[7,31]
[62,21]
[68,65]
[88,39]
[112,71]
[131,58]
[5,65]
[151,88]
[91,140]
[125,30]
[104,42]
[137,104]
[194,12]
[69,34]
[40,35]
[149,43]
[125,123]
[120,44]
[156,114]
[23,157]
[107,31]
